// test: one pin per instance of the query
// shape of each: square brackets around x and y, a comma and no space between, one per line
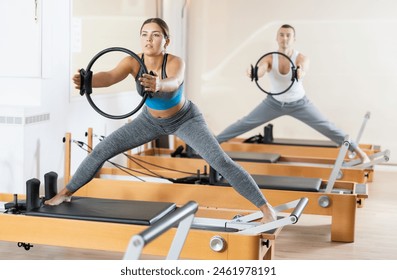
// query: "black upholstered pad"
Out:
[254,157]
[288,183]
[303,142]
[107,210]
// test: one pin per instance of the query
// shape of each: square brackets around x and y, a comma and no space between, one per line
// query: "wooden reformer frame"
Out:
[163,158]
[306,157]
[320,155]
[341,207]
[195,164]
[115,237]
[300,152]
[346,176]
[290,154]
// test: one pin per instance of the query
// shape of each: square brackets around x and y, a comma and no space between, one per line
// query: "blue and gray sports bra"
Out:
[160,100]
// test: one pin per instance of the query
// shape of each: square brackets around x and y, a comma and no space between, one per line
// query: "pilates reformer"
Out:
[266,181]
[340,203]
[275,182]
[282,154]
[295,150]
[108,221]
[309,151]
[349,171]
[271,153]
[317,155]
[255,163]
[360,176]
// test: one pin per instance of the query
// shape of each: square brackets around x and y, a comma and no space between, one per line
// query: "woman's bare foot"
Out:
[269,215]
[63,196]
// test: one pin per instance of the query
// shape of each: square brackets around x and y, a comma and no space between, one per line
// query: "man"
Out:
[292,103]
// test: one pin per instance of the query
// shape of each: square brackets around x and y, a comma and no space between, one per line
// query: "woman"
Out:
[167,112]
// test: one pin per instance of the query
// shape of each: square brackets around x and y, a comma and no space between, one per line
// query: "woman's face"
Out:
[152,39]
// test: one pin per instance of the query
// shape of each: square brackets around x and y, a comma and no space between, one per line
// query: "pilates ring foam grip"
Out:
[86,82]
[254,73]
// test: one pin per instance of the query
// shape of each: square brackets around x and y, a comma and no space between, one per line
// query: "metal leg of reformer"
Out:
[338,165]
[183,216]
[360,133]
[179,238]
[353,154]
[245,224]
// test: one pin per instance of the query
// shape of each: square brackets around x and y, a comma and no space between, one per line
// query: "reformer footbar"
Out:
[185,217]
[376,158]
[246,225]
[364,123]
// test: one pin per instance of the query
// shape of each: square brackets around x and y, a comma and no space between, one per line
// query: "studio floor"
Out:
[308,240]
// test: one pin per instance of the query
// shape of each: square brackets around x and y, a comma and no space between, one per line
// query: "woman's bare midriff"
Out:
[161,114]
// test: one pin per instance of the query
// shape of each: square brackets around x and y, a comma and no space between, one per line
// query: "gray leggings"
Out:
[270,108]
[189,125]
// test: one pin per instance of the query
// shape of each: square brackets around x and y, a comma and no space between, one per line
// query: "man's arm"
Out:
[302,63]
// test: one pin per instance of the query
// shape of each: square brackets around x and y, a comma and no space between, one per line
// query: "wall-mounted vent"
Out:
[37,118]
[18,120]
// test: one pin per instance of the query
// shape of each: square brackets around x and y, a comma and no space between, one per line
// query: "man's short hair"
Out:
[288,26]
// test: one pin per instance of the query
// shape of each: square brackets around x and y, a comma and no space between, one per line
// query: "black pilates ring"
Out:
[254,73]
[86,85]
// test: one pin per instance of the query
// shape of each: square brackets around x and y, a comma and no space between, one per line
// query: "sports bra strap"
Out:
[163,66]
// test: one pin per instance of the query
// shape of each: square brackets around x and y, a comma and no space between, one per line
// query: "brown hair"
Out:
[163,25]
[288,26]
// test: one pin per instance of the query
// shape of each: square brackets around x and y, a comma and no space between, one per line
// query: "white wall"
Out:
[31,143]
